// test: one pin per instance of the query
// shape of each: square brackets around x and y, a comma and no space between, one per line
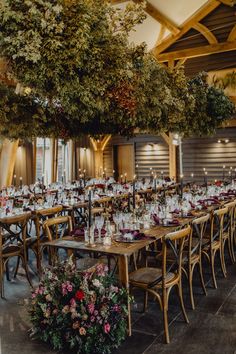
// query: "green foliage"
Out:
[85,78]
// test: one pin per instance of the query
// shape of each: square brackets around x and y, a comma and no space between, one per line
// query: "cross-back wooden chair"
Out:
[13,244]
[36,243]
[229,229]
[194,253]
[56,228]
[160,281]
[214,242]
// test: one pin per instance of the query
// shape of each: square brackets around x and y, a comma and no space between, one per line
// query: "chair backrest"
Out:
[217,223]
[44,214]
[175,242]
[55,227]
[199,227]
[231,215]
[14,234]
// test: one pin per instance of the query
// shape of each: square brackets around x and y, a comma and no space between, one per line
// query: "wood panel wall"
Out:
[199,153]
[150,152]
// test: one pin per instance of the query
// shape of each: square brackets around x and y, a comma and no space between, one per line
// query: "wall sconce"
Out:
[223,141]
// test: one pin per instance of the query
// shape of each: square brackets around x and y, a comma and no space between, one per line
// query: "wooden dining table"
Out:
[121,250]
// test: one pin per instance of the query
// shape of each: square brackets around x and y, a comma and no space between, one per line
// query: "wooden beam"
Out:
[198,51]
[162,19]
[7,161]
[228,2]
[187,25]
[205,32]
[160,35]
[105,141]
[232,35]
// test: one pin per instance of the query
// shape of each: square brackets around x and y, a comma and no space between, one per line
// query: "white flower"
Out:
[96,283]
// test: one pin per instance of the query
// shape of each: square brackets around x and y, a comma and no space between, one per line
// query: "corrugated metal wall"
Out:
[199,153]
[150,152]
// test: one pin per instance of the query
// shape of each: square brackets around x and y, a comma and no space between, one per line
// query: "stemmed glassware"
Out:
[99,222]
[117,218]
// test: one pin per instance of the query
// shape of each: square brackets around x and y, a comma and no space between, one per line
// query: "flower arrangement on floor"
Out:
[85,312]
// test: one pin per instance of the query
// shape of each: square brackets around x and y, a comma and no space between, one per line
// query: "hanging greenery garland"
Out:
[85,78]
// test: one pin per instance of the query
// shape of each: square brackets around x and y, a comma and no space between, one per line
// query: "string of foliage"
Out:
[85,78]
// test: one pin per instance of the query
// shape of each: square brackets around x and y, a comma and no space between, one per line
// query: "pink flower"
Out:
[92,319]
[116,308]
[107,328]
[72,302]
[101,270]
[91,308]
[69,288]
[33,295]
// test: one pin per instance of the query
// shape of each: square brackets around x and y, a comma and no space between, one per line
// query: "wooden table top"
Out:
[118,248]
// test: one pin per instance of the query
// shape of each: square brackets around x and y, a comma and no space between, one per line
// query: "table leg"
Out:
[124,279]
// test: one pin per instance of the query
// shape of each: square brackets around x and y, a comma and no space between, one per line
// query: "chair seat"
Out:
[11,250]
[225,235]
[215,245]
[148,275]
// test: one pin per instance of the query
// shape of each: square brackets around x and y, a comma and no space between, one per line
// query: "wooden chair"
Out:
[13,244]
[229,229]
[36,243]
[53,230]
[160,281]
[214,242]
[193,256]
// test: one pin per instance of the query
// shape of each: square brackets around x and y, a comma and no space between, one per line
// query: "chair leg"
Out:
[7,271]
[17,267]
[232,245]
[24,263]
[201,277]
[145,301]
[2,280]
[190,281]
[212,260]
[165,317]
[229,241]
[180,293]
[222,260]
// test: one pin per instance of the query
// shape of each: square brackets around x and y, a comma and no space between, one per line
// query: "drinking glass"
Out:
[99,222]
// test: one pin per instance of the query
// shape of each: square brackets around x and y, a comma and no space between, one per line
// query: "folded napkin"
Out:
[156,219]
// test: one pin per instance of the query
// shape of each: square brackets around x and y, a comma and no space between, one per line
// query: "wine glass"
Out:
[99,221]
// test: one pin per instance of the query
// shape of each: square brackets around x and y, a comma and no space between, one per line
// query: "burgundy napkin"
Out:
[156,219]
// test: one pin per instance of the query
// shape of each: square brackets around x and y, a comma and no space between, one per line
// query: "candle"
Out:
[42,179]
[136,167]
[113,172]
[84,178]
[181,185]
[62,179]
[192,175]
[80,179]
[223,173]
[90,208]
[155,183]
[206,179]
[105,172]
[150,172]
[64,173]
[121,178]
[134,192]
[14,180]
[128,202]
[125,177]
[235,173]
[21,182]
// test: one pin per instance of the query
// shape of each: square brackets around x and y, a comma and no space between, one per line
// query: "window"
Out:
[43,160]
[63,170]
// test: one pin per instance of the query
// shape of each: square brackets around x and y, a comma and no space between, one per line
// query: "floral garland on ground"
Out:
[84,312]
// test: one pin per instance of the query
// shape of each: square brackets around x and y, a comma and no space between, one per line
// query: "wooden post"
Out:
[172,154]
[99,147]
[7,161]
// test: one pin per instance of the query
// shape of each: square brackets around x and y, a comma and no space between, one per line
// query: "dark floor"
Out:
[212,327]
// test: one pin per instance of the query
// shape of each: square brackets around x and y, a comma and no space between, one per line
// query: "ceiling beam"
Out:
[187,25]
[232,35]
[158,16]
[228,2]
[198,51]
[205,32]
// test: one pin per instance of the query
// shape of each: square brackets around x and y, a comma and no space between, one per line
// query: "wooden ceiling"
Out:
[209,31]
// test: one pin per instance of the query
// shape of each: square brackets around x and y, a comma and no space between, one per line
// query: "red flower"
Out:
[79,295]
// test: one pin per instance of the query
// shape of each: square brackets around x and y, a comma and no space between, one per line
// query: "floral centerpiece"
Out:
[84,312]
